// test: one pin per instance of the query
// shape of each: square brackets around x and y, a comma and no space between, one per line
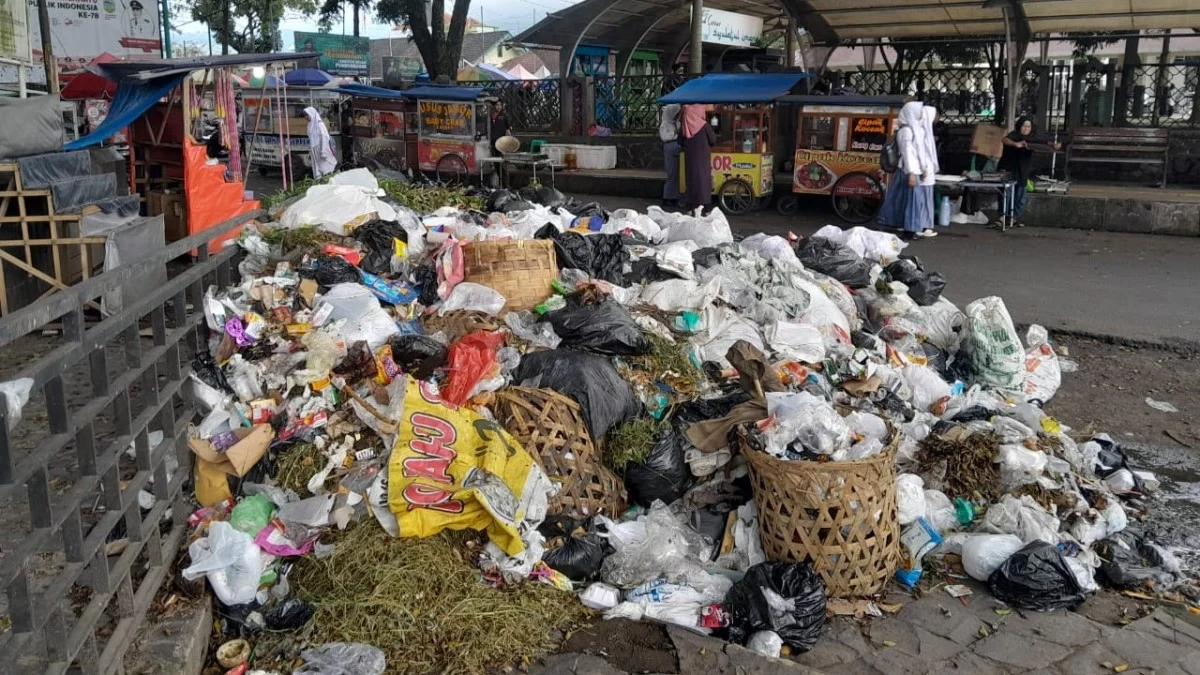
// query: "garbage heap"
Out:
[626,406]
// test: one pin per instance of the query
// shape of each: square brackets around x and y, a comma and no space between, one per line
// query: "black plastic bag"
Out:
[499,199]
[605,327]
[835,260]
[706,257]
[359,363]
[710,521]
[579,557]
[205,368]
[663,475]
[290,614]
[425,278]
[606,399]
[797,583]
[546,196]
[1129,561]
[608,258]
[1037,577]
[377,236]
[417,355]
[646,270]
[516,205]
[589,209]
[328,270]
[571,249]
[924,287]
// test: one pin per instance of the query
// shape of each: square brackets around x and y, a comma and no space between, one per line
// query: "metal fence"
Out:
[1161,96]
[961,95]
[85,550]
[629,104]
[531,105]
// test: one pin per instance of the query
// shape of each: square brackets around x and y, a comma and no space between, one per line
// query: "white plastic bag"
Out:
[657,545]
[364,318]
[16,395]
[676,295]
[806,419]
[473,297]
[231,561]
[997,358]
[939,511]
[628,219]
[765,642]
[910,498]
[984,553]
[944,325]
[337,209]
[1020,465]
[928,387]
[1043,374]
[1023,517]
[723,327]
[823,313]
[710,230]
[882,247]
[796,341]
[771,247]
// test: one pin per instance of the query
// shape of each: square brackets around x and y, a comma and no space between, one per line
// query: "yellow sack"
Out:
[452,469]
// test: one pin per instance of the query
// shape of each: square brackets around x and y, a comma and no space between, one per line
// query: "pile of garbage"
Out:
[359,390]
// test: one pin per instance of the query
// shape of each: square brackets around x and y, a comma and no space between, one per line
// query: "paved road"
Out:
[1127,286]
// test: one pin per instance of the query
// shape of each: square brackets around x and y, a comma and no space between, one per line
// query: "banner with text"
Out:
[729,28]
[81,30]
[340,54]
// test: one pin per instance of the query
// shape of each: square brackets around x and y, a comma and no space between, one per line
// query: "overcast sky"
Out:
[509,15]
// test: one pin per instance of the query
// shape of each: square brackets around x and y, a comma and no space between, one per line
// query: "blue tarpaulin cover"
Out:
[447,92]
[369,91]
[734,88]
[133,98]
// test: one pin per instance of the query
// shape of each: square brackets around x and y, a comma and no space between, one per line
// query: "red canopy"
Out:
[88,84]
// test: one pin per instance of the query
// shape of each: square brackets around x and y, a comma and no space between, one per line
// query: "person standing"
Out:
[499,126]
[668,132]
[908,204]
[1017,160]
[929,162]
[698,139]
[320,145]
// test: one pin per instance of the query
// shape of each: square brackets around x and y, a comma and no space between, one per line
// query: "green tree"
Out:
[440,46]
[331,10]
[253,24]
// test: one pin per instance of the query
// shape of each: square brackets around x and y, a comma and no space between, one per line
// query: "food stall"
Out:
[741,110]
[275,119]
[838,141]
[453,129]
[381,126]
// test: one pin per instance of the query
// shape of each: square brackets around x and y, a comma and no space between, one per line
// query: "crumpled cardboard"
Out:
[239,458]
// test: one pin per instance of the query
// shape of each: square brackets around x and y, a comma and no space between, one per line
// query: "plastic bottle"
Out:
[554,302]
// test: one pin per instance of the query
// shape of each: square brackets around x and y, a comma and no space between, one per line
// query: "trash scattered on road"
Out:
[404,444]
[1161,406]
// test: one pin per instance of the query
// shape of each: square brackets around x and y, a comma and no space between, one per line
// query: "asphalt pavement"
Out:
[1131,287]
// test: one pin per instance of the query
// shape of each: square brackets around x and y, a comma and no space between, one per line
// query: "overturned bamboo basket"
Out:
[519,270]
[839,516]
[551,428]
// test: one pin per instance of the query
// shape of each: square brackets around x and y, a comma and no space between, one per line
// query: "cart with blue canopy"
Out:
[740,109]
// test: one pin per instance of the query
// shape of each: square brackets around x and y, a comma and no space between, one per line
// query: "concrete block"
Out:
[174,645]
[1060,627]
[1065,211]
[705,655]
[575,664]
[1020,651]
[1176,218]
[1128,215]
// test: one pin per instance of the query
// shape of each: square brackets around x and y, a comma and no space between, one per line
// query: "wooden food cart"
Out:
[381,127]
[453,129]
[741,110]
[266,136]
[838,141]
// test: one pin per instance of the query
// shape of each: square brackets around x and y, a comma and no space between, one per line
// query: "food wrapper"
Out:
[452,469]
[391,292]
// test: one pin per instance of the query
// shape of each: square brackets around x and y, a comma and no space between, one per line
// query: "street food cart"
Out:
[275,120]
[381,126]
[741,111]
[838,141]
[453,129]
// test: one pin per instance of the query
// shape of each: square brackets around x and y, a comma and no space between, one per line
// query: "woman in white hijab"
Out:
[929,161]
[320,145]
[908,204]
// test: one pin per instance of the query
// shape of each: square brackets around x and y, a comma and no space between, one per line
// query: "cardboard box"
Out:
[239,458]
[174,212]
[987,140]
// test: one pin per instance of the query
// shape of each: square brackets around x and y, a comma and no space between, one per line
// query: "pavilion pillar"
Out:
[696,52]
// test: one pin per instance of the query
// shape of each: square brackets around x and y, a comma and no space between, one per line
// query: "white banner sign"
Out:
[81,30]
[728,28]
[14,33]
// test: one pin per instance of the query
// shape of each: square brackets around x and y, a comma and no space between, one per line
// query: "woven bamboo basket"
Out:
[520,270]
[551,428]
[839,516]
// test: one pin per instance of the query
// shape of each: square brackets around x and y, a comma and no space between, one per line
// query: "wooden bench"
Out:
[1120,146]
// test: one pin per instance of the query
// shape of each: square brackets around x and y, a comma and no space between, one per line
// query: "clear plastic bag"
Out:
[230,560]
[658,545]
[910,498]
[473,297]
[342,658]
[16,395]
[806,419]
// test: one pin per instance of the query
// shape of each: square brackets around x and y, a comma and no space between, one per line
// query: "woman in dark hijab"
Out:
[1018,159]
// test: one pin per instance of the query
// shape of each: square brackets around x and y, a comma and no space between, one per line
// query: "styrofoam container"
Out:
[595,156]
[556,153]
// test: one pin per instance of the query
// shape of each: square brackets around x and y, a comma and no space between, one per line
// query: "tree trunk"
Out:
[226,29]
[1129,63]
[458,25]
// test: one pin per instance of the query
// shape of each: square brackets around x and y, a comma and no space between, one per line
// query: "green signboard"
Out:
[340,54]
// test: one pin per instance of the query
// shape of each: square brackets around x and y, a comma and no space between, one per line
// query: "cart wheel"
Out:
[857,197]
[737,197]
[787,205]
[452,170]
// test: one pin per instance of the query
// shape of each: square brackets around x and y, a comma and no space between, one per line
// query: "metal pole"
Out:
[696,53]
[1010,96]
[791,42]
[166,28]
[47,47]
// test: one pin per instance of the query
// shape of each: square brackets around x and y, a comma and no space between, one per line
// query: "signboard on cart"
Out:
[446,118]
[431,151]
[340,54]
[756,170]
[817,170]
[81,30]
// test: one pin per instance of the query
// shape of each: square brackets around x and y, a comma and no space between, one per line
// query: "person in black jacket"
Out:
[1018,159]
[499,126]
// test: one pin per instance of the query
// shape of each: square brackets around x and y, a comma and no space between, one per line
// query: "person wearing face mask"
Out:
[1017,160]
[908,203]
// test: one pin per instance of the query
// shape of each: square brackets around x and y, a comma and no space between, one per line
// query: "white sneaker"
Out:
[927,234]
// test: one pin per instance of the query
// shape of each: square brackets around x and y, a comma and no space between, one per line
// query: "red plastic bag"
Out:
[471,359]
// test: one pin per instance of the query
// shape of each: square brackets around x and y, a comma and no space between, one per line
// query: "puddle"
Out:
[1174,511]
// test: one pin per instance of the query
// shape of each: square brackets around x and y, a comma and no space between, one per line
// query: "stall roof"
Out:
[735,88]
[155,68]
[448,92]
[625,25]
[370,92]
[815,99]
